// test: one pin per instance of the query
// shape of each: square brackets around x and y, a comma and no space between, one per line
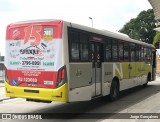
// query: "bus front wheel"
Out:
[114,91]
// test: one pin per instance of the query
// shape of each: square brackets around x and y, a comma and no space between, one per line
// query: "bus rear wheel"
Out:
[114,91]
[148,79]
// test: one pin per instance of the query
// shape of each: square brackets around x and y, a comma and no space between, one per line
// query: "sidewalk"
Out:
[2,92]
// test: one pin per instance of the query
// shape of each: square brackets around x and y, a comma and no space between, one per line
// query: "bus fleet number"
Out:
[30,79]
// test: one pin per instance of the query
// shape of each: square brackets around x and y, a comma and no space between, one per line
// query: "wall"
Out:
[158,64]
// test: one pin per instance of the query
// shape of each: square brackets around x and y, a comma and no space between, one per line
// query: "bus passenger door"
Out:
[96,56]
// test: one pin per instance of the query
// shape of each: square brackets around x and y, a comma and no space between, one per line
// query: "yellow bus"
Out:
[55,60]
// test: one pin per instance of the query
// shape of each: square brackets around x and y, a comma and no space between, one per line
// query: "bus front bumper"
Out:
[59,94]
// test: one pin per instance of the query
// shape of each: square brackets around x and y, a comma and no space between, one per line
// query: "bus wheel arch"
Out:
[114,89]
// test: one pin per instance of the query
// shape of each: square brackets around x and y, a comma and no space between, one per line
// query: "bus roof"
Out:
[89,29]
[32,21]
[108,34]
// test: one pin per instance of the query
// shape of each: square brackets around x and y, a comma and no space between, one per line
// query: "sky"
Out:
[106,14]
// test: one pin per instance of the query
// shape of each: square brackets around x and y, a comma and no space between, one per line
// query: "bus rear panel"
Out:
[34,65]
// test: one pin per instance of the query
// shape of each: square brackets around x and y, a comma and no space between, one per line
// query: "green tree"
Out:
[141,27]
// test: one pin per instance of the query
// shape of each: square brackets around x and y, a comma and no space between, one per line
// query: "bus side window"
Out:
[121,51]
[108,50]
[114,50]
[142,53]
[145,54]
[74,46]
[148,55]
[84,47]
[132,52]
[138,53]
[126,52]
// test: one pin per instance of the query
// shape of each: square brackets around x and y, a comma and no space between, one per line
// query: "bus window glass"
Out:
[138,53]
[84,47]
[126,52]
[108,50]
[145,54]
[142,53]
[74,42]
[148,55]
[132,52]
[121,57]
[114,50]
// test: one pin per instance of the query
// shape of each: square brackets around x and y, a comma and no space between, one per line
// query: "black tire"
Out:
[114,91]
[148,78]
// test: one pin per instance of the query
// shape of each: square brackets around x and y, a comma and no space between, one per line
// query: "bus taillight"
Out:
[61,77]
[62,73]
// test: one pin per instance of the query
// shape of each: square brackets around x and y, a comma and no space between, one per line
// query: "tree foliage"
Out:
[141,27]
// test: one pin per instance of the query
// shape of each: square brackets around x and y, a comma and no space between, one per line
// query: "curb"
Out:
[7,98]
